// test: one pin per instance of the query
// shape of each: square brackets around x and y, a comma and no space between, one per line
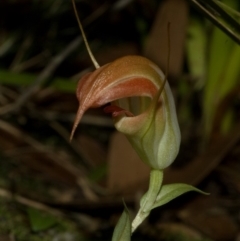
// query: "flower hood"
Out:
[154,133]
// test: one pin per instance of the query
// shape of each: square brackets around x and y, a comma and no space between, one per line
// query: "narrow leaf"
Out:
[122,231]
[197,50]
[220,49]
[26,80]
[171,191]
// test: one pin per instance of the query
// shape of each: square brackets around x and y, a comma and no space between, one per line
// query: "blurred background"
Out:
[51,189]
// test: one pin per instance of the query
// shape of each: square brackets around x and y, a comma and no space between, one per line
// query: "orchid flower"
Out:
[153,130]
[154,133]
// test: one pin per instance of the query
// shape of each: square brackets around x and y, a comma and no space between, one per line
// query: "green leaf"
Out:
[234,13]
[98,173]
[230,78]
[27,79]
[122,231]
[40,221]
[197,50]
[223,59]
[171,191]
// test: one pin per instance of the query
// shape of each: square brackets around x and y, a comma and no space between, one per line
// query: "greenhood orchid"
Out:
[151,127]
[154,133]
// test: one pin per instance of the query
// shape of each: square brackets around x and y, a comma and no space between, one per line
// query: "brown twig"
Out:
[31,62]
[63,164]
[21,52]
[28,202]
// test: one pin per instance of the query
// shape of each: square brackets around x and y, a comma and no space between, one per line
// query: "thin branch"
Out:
[28,202]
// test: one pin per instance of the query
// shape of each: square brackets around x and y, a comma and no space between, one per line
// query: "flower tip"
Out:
[76,122]
[73,130]
[71,136]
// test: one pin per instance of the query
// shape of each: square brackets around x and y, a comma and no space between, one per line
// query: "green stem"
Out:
[149,198]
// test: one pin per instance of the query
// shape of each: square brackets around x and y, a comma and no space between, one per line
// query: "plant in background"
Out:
[223,75]
[215,57]
[153,130]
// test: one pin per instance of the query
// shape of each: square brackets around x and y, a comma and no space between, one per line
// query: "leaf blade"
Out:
[122,231]
[171,191]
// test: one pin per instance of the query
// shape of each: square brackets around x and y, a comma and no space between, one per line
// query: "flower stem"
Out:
[149,198]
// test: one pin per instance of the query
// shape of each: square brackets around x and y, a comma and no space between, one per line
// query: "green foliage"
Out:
[98,173]
[169,192]
[122,231]
[15,221]
[196,50]
[158,195]
[39,220]
[214,56]
[26,79]
[223,75]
